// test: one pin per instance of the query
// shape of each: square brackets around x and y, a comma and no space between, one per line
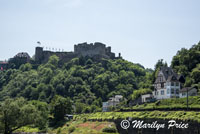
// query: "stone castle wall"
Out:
[93,50]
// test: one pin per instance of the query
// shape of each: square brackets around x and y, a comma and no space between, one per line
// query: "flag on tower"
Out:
[39,43]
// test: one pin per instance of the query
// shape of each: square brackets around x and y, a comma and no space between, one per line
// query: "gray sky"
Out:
[142,30]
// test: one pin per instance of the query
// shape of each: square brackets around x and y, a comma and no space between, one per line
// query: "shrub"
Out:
[157,103]
[71,129]
[84,119]
[139,92]
[59,131]
[109,130]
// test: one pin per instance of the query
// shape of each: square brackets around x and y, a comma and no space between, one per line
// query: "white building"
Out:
[112,102]
[167,84]
[190,90]
[146,98]
[105,107]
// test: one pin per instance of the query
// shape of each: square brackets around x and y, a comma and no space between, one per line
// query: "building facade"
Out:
[19,59]
[112,102]
[191,91]
[3,65]
[167,84]
[147,98]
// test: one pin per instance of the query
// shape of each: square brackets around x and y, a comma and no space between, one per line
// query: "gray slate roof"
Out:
[185,89]
[169,74]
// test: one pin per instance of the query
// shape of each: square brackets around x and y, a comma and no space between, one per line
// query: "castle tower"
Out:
[38,54]
[108,49]
[119,55]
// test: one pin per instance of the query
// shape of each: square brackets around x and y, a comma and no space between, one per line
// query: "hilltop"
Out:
[82,79]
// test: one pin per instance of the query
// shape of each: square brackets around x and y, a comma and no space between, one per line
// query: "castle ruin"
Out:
[96,50]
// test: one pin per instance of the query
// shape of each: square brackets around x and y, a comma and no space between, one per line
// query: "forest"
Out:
[41,95]
[79,86]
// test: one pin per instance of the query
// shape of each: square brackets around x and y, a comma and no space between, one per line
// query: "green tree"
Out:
[53,60]
[43,112]
[25,67]
[186,60]
[195,74]
[79,107]
[89,62]
[60,106]
[16,113]
[138,93]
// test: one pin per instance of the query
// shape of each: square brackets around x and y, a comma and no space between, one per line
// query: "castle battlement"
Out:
[96,49]
[87,47]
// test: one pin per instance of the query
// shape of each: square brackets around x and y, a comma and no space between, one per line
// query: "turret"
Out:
[119,55]
[38,54]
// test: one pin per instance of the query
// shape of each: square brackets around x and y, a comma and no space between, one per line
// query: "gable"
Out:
[160,77]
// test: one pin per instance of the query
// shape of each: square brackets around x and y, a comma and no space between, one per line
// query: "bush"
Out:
[59,131]
[84,119]
[139,92]
[109,130]
[157,103]
[71,129]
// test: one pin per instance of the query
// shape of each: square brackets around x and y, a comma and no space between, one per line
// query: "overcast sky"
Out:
[142,30]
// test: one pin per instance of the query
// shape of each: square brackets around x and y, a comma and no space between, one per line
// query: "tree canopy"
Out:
[16,113]
[186,62]
[83,80]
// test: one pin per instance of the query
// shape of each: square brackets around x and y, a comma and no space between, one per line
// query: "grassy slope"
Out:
[194,102]
[80,125]
[75,127]
[92,127]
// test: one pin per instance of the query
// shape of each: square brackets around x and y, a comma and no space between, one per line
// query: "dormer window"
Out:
[173,78]
[160,78]
[167,72]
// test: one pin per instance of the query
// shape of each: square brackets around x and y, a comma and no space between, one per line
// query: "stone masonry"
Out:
[98,50]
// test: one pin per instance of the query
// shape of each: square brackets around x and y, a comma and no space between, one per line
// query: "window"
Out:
[162,92]
[172,91]
[160,78]
[177,91]
[168,91]
[177,84]
[162,85]
[172,83]
[183,94]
